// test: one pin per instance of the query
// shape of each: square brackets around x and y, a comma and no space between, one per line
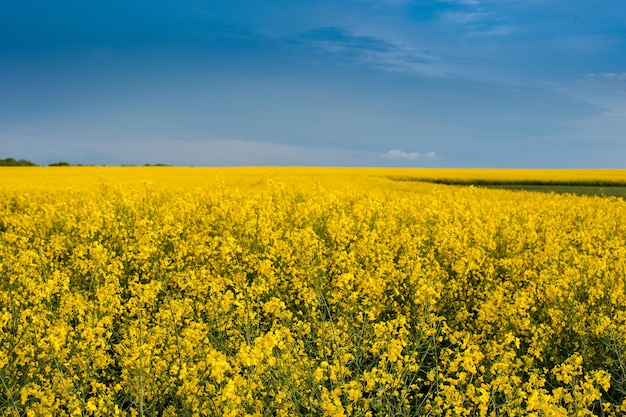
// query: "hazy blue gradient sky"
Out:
[494,83]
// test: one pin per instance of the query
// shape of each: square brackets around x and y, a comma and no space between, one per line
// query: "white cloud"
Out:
[399,154]
[607,76]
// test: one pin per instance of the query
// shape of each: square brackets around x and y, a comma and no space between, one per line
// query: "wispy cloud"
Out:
[475,20]
[606,77]
[336,37]
[607,89]
[378,51]
[399,154]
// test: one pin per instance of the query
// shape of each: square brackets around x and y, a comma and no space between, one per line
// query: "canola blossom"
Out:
[294,291]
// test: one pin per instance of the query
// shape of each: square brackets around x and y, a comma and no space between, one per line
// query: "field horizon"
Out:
[575,181]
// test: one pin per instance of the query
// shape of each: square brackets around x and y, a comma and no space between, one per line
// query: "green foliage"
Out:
[60,164]
[12,162]
[579,187]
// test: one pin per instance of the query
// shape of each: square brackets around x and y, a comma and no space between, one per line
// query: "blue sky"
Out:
[458,83]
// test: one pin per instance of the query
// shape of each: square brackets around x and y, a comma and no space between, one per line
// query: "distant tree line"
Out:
[12,162]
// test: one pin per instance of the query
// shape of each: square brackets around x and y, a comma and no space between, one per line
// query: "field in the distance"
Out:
[310,291]
[580,182]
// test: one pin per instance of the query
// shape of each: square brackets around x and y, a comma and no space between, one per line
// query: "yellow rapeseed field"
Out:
[169,291]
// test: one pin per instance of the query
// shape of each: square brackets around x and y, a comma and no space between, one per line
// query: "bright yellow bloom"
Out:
[304,291]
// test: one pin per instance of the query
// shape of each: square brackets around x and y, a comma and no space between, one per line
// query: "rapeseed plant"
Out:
[245,292]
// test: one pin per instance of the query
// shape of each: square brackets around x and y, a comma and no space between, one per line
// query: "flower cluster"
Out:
[321,292]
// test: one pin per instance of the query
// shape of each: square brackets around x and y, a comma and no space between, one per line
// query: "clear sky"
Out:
[458,83]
